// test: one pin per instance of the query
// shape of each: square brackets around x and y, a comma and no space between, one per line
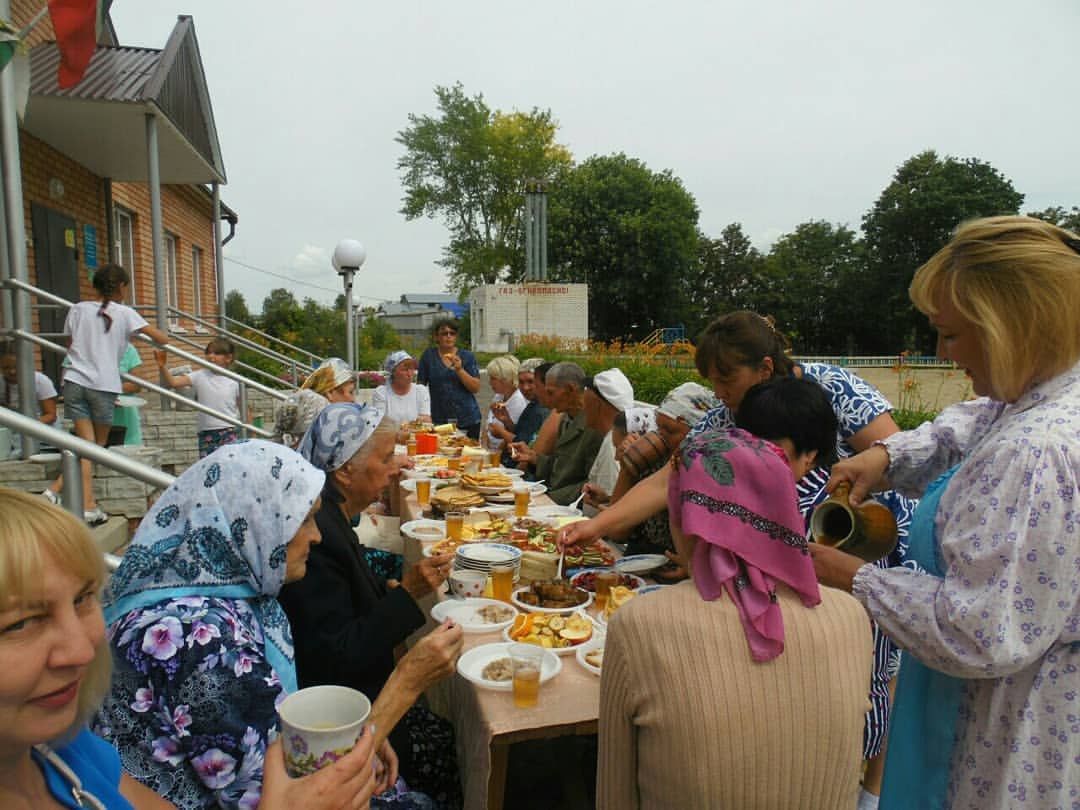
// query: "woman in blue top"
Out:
[453,378]
[54,669]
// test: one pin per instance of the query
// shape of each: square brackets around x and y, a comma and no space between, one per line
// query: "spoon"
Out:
[577,503]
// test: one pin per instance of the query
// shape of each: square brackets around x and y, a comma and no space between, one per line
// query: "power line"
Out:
[297,281]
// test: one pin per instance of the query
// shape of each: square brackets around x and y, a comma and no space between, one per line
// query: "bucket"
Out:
[427,444]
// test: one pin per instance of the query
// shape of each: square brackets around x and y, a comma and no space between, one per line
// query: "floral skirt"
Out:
[424,743]
[211,440]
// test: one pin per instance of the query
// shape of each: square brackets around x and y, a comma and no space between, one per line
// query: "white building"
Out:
[502,313]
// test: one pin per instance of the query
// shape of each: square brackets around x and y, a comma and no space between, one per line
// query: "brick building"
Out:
[87,193]
[501,312]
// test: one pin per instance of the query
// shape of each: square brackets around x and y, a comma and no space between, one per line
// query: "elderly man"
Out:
[607,394]
[567,466]
[532,418]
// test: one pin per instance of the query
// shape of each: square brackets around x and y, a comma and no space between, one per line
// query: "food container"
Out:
[427,444]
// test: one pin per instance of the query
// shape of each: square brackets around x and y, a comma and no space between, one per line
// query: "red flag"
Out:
[75,25]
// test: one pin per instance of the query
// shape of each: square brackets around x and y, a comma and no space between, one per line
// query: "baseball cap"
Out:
[612,387]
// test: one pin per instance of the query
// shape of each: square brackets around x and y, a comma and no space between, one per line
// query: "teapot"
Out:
[867,530]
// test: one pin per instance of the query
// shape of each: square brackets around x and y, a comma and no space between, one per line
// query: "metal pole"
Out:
[529,235]
[350,337]
[542,258]
[16,240]
[157,237]
[72,495]
[219,259]
[243,410]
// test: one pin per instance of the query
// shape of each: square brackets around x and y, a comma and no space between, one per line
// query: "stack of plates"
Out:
[480,556]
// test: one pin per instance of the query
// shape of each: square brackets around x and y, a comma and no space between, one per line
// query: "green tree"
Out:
[727,275]
[911,220]
[1069,220]
[322,329]
[807,284]
[236,307]
[631,234]
[282,316]
[468,166]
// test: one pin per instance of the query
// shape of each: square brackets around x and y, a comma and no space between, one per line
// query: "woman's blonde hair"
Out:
[504,368]
[1017,280]
[36,534]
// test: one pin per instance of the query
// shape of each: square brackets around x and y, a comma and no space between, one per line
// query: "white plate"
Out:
[554,511]
[487,553]
[128,401]
[640,563]
[472,663]
[409,484]
[507,495]
[560,651]
[537,609]
[425,530]
[594,643]
[463,611]
[651,589]
[487,490]
[635,581]
[512,472]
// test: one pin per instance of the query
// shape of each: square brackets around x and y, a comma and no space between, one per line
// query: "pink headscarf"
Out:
[736,493]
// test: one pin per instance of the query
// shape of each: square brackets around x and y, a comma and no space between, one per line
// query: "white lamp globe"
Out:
[349,255]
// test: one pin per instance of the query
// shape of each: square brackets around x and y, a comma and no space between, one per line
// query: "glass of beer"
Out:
[423,492]
[502,580]
[494,458]
[454,463]
[527,661]
[605,580]
[455,522]
[522,497]
[410,445]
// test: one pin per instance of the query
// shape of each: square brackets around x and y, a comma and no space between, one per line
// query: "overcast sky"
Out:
[772,113]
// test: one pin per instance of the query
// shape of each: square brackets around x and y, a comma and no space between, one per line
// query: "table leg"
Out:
[500,758]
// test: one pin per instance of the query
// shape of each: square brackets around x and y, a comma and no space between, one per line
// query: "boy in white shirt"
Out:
[215,390]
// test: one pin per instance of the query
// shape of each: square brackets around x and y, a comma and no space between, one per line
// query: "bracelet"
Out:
[881,443]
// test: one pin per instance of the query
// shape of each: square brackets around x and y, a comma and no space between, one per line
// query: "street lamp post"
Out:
[349,256]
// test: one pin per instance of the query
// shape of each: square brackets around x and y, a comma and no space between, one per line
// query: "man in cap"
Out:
[607,394]
[566,467]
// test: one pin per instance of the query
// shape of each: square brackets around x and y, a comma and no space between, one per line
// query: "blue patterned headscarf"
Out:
[395,359]
[337,433]
[220,530]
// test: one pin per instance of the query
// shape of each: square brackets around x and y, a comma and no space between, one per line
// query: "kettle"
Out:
[867,530]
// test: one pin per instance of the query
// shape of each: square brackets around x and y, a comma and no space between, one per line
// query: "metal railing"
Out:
[72,449]
[244,383]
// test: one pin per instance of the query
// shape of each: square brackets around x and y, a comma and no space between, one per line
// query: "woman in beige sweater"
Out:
[744,687]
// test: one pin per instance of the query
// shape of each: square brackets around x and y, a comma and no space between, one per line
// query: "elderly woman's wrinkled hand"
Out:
[834,567]
[427,575]
[864,472]
[386,768]
[577,534]
[349,782]
[433,657]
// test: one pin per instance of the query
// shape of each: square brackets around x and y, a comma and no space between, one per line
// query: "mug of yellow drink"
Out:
[410,445]
[423,491]
[604,581]
[455,522]
[522,497]
[494,458]
[527,660]
[502,580]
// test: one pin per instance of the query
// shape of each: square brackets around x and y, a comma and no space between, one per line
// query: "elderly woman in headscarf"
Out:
[682,408]
[203,651]
[332,381]
[401,399]
[791,660]
[348,621]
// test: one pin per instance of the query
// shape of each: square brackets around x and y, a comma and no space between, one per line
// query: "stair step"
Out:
[112,535]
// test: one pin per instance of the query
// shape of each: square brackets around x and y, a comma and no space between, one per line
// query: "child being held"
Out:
[214,390]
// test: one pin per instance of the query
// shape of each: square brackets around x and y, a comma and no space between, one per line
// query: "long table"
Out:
[486,722]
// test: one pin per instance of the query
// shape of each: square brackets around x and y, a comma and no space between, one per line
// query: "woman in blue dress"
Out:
[453,378]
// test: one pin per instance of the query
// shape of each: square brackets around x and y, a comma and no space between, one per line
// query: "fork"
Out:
[580,498]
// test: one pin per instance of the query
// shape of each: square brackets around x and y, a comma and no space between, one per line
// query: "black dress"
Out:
[346,624]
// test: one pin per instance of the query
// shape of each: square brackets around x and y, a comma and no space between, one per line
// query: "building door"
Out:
[57,264]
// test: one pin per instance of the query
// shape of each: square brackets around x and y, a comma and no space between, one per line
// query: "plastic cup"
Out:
[604,582]
[453,464]
[423,491]
[522,498]
[320,725]
[455,522]
[502,580]
[410,446]
[494,458]
[527,661]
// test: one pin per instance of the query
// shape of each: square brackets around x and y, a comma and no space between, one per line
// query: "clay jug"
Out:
[867,530]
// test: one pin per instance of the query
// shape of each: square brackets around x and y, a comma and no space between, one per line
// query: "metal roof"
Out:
[100,122]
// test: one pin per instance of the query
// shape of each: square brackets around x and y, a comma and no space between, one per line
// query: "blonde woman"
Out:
[508,403]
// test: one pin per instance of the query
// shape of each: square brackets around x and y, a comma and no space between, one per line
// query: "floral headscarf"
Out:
[735,492]
[689,403]
[337,433]
[333,372]
[395,359]
[640,420]
[296,414]
[220,530]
